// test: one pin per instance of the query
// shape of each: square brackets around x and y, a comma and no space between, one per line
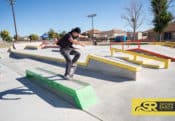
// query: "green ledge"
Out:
[76,92]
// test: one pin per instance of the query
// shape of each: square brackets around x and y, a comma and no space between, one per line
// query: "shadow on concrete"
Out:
[12,55]
[54,50]
[14,91]
[44,94]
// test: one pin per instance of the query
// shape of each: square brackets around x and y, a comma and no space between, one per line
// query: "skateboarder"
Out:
[67,49]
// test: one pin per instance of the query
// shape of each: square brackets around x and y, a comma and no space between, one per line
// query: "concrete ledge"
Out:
[169,44]
[146,63]
[77,93]
[155,66]
[166,62]
[102,64]
[109,69]
[113,63]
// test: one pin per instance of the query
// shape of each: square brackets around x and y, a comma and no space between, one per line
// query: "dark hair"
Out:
[77,29]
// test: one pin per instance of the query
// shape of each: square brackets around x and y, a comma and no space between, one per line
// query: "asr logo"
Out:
[147,107]
[151,106]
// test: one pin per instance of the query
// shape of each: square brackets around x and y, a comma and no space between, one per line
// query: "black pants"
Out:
[66,52]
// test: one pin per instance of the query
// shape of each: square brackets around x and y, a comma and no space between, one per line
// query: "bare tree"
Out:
[133,16]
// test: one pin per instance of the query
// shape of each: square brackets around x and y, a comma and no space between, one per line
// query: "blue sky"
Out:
[38,16]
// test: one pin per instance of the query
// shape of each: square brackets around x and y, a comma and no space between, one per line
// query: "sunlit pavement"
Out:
[21,100]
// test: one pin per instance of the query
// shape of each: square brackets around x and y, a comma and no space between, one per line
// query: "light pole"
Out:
[12,2]
[92,18]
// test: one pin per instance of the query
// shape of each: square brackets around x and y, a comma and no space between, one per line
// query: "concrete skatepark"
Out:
[113,90]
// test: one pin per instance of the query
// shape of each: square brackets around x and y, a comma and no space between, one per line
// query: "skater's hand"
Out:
[83,45]
[76,42]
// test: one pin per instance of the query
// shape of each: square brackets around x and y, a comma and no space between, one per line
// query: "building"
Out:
[89,33]
[111,34]
[167,35]
[138,36]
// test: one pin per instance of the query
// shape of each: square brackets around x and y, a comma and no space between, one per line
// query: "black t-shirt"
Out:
[64,42]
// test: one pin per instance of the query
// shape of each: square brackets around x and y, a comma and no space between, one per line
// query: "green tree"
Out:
[34,37]
[5,35]
[161,15]
[52,34]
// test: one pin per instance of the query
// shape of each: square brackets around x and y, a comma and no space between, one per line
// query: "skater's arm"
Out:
[76,42]
[82,36]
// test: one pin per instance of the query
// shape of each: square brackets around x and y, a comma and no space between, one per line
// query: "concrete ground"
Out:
[22,100]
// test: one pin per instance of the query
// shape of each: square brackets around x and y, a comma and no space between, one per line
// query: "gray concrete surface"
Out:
[115,94]
[114,71]
[21,100]
[92,65]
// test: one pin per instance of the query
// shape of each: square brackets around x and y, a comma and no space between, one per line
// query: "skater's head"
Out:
[76,32]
